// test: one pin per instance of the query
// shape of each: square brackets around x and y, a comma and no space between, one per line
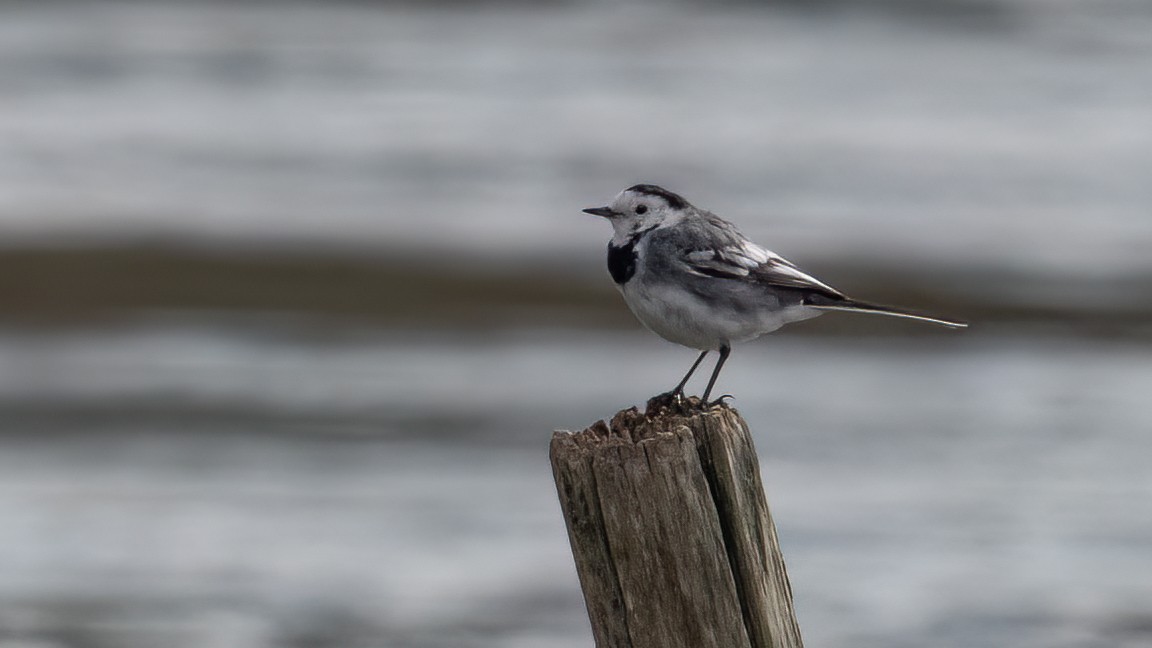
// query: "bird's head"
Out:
[642,207]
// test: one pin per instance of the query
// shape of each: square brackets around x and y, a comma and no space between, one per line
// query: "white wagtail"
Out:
[693,279]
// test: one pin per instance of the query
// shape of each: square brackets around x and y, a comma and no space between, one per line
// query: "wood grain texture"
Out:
[673,540]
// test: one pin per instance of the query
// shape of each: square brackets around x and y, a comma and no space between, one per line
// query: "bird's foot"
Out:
[675,401]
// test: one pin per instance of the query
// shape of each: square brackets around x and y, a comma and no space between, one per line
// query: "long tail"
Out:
[853,306]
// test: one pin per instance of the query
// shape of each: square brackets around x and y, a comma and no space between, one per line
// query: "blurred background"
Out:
[293,294]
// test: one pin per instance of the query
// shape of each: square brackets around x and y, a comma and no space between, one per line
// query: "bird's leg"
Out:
[679,390]
[725,349]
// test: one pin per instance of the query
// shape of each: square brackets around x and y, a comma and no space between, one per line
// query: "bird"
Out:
[692,278]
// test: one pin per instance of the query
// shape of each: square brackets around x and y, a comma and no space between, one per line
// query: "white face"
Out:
[635,211]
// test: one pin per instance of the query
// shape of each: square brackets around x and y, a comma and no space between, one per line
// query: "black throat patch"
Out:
[622,261]
[622,258]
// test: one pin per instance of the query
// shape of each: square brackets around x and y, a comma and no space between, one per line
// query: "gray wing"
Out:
[720,251]
[712,247]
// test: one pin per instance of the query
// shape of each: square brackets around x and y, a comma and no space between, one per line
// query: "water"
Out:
[190,486]
[195,479]
[1016,133]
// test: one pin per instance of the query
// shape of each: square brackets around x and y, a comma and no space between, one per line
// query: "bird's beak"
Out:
[606,212]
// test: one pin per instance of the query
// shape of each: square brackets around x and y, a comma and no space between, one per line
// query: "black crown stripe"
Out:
[675,201]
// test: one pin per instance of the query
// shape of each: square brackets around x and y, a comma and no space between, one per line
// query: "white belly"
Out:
[684,318]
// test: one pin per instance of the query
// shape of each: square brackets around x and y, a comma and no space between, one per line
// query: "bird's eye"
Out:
[640,209]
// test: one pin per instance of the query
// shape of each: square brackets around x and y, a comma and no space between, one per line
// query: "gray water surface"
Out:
[188,486]
[201,480]
[1016,133]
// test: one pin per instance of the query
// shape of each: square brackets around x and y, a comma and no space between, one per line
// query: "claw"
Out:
[718,401]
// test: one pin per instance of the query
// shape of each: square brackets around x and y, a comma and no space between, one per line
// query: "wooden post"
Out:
[670,529]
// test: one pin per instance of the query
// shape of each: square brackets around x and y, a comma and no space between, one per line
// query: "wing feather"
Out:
[743,259]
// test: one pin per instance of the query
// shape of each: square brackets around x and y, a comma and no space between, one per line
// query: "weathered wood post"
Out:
[670,529]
